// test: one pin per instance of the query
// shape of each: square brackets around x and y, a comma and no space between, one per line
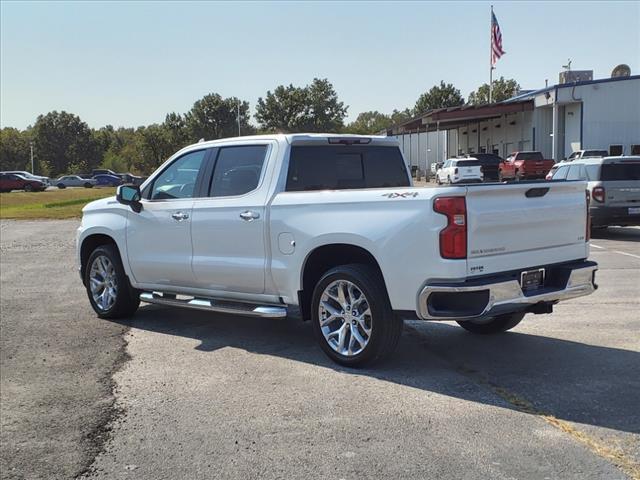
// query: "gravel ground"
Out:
[214,396]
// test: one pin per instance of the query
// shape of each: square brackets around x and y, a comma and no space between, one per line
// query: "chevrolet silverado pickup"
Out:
[330,228]
[524,166]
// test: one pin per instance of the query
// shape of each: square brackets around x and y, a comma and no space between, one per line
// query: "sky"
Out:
[130,63]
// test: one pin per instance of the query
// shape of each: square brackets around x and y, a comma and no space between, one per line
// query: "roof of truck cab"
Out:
[601,160]
[296,138]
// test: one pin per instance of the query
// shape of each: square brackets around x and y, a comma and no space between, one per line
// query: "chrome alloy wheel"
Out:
[345,318]
[103,282]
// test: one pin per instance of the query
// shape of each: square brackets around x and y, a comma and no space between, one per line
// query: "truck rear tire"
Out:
[352,316]
[498,324]
[110,293]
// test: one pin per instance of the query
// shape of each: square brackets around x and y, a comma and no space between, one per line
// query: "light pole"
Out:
[31,148]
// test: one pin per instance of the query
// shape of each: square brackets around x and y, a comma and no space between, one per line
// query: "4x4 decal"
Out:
[400,195]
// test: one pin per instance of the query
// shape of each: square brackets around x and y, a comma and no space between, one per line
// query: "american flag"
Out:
[496,40]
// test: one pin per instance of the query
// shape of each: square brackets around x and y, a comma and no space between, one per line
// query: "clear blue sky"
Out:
[128,64]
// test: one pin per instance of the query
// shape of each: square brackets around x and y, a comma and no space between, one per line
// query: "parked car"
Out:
[107,180]
[74,181]
[490,164]
[614,187]
[13,181]
[31,176]
[460,170]
[103,171]
[524,165]
[580,154]
[131,179]
[329,227]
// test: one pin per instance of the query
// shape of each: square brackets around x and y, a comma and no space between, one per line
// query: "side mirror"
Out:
[130,195]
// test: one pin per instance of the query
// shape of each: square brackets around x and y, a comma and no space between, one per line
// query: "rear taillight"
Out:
[598,194]
[453,238]
[455,172]
[587,235]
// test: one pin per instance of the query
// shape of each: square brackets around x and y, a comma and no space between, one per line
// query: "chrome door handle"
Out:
[248,215]
[179,216]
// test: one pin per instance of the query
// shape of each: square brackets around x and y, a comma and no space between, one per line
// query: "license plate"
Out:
[634,210]
[532,279]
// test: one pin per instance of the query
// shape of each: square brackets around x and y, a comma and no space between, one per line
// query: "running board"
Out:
[211,305]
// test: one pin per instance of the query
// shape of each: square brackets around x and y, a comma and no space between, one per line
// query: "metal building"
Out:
[599,114]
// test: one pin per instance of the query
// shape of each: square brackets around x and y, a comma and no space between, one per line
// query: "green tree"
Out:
[176,127]
[64,143]
[439,96]
[502,90]
[214,117]
[153,146]
[400,116]
[369,123]
[284,110]
[313,108]
[14,150]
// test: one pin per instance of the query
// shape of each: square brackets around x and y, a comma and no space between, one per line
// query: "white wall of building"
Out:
[422,149]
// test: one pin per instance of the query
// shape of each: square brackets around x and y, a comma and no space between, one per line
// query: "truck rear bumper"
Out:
[502,293]
[613,216]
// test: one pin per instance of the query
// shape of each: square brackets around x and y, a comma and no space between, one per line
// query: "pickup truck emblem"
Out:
[400,195]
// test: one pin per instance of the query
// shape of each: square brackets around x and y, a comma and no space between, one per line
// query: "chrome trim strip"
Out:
[209,304]
[580,283]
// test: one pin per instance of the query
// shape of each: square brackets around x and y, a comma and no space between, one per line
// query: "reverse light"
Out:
[453,238]
[598,194]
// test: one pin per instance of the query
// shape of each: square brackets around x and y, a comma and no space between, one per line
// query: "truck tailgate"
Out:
[524,225]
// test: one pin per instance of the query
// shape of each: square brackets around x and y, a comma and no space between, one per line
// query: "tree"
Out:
[153,146]
[64,143]
[400,116]
[326,113]
[502,90]
[369,123]
[313,108]
[439,96]
[14,150]
[214,117]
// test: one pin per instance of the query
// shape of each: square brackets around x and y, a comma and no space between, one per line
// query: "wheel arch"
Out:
[325,257]
[89,244]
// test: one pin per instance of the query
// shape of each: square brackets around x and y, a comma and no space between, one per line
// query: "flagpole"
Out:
[490,54]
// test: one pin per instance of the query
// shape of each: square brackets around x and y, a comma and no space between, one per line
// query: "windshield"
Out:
[620,171]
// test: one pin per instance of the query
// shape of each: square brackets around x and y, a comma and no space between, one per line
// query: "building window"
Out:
[635,149]
[615,150]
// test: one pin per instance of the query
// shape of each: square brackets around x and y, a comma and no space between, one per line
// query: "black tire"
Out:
[449,179]
[518,176]
[500,177]
[385,326]
[61,186]
[127,298]
[28,188]
[438,180]
[498,324]
[88,185]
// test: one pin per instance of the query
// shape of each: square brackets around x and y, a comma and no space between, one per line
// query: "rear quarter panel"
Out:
[397,226]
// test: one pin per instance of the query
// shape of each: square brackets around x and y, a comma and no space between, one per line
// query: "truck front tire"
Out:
[352,316]
[110,293]
[498,324]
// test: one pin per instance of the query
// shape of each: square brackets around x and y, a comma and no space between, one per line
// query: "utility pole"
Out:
[31,148]
[238,117]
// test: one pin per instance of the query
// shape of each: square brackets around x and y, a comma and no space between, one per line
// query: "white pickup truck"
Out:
[330,227]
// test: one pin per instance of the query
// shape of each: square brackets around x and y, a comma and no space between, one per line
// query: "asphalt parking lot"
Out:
[183,394]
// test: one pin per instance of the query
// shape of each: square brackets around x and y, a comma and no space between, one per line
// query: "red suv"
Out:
[13,181]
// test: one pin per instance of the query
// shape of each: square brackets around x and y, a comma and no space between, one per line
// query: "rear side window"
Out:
[345,167]
[620,171]
[575,173]
[593,172]
[237,170]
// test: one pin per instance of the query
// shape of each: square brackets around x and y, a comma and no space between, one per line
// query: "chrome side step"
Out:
[212,305]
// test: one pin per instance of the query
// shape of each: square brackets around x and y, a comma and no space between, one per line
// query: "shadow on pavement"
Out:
[628,234]
[576,382]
